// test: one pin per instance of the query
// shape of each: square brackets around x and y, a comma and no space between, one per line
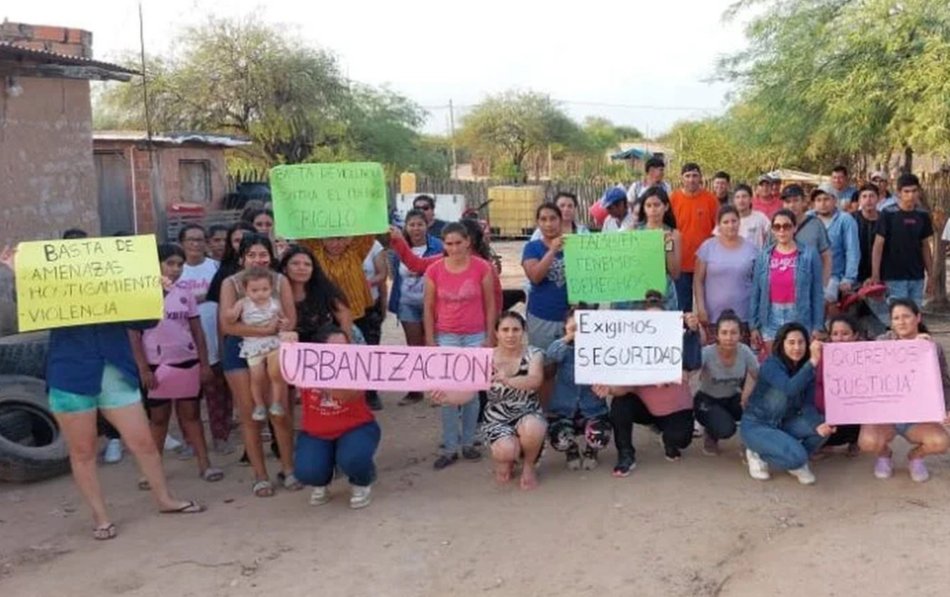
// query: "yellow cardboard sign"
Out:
[62,283]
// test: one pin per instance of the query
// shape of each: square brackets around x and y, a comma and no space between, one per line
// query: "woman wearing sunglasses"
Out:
[786,285]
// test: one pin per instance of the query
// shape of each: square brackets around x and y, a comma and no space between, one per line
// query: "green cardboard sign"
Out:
[612,267]
[325,200]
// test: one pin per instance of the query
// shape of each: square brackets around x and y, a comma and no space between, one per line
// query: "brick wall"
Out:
[63,40]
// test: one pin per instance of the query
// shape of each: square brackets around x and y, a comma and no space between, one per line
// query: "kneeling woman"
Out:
[781,426]
[926,438]
[338,430]
[514,425]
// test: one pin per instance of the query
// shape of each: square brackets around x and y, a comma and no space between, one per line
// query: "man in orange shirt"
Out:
[695,209]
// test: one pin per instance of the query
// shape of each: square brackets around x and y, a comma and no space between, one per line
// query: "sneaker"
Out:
[259,414]
[883,467]
[444,460]
[113,451]
[276,410]
[710,445]
[573,459]
[672,454]
[918,470]
[698,429]
[758,468]
[589,459]
[171,443]
[804,475]
[625,464]
[319,496]
[471,453]
[360,497]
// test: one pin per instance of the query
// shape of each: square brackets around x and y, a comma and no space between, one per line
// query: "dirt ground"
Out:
[700,526]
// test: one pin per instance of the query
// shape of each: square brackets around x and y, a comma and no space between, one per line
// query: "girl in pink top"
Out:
[459,310]
[172,359]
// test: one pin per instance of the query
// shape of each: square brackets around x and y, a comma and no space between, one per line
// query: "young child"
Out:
[259,308]
[574,409]
[172,359]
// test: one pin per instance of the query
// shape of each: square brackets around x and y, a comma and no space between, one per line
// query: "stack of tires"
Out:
[31,445]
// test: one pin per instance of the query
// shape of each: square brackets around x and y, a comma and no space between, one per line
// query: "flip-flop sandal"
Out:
[104,533]
[189,507]
[263,488]
[144,485]
[289,482]
[212,474]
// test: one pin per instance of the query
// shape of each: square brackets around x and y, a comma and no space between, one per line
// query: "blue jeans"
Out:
[684,291]
[906,289]
[786,446]
[451,438]
[315,459]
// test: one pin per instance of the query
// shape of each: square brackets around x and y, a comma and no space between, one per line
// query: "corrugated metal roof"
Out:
[176,138]
[11,50]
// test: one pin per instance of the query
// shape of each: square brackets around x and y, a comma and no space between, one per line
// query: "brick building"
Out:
[46,163]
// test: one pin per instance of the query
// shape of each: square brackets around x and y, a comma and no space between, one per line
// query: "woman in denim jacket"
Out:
[781,426]
[786,284]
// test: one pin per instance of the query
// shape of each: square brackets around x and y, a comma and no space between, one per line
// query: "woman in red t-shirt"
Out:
[337,430]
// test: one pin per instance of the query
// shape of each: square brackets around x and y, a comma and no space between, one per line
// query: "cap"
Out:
[793,190]
[879,175]
[765,178]
[613,196]
[655,162]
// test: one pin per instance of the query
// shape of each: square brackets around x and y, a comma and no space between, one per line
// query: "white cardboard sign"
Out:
[628,348]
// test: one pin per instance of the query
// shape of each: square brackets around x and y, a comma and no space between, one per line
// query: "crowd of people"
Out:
[761,276]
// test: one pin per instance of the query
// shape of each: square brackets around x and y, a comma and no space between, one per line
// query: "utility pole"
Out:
[455,165]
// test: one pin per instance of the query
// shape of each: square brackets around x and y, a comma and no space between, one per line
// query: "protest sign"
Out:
[896,381]
[396,368]
[325,200]
[628,348]
[61,283]
[622,266]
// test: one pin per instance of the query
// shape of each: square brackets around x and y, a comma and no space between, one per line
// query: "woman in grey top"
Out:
[726,380]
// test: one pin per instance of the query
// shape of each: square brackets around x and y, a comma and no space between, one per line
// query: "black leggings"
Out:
[718,415]
[844,435]
[676,427]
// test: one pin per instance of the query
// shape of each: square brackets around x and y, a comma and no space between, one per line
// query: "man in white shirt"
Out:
[654,177]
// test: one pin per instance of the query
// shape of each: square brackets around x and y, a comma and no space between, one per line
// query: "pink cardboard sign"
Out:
[400,368]
[895,381]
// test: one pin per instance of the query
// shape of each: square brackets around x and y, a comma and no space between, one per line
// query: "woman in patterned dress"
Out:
[514,424]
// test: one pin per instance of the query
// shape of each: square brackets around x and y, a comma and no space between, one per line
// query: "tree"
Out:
[248,78]
[516,124]
[832,80]
[602,134]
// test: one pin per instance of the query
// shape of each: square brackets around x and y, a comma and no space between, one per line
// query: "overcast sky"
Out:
[644,63]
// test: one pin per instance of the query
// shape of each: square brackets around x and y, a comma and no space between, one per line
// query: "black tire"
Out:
[31,389]
[32,454]
[15,424]
[24,354]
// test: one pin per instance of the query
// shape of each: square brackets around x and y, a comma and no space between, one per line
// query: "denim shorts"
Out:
[230,353]
[542,332]
[779,315]
[460,340]
[410,312]
[903,428]
[116,392]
